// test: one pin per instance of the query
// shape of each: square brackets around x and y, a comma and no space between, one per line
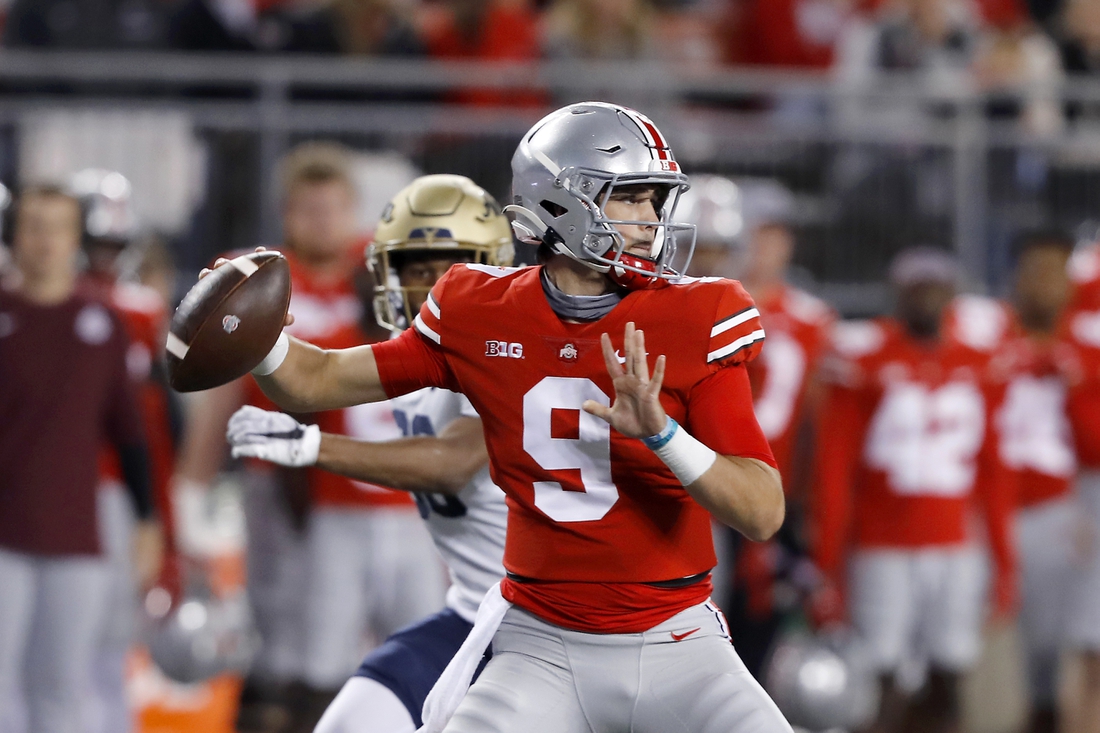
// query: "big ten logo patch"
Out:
[507,349]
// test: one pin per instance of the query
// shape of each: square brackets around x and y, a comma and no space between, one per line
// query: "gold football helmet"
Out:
[434,214]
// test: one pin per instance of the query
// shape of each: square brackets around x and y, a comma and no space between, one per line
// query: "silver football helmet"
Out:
[108,207]
[714,206]
[569,164]
[439,213]
[199,635]
[822,682]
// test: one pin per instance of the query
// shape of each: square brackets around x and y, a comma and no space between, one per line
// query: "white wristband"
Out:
[274,358]
[686,457]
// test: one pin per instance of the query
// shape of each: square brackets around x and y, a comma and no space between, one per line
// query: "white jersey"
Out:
[468,529]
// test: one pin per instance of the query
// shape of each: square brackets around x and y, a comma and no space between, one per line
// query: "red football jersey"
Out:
[1080,362]
[910,442]
[798,327]
[1036,439]
[327,313]
[1084,273]
[593,516]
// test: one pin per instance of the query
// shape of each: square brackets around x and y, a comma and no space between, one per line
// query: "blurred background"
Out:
[865,127]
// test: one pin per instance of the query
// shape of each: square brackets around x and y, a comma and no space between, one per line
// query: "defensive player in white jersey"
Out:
[604,616]
[431,224]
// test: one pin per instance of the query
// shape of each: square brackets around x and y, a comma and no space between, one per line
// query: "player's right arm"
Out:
[300,377]
[441,464]
[310,379]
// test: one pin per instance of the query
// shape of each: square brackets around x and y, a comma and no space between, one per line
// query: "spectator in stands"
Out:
[377,28]
[1079,36]
[486,30]
[791,33]
[212,25]
[86,24]
[599,29]
[1014,57]
[64,394]
[931,40]
[302,26]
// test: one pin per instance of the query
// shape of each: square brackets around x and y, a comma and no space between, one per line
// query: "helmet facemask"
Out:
[393,308]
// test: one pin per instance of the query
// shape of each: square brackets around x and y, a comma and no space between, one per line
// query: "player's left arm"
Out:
[995,488]
[743,492]
[441,464]
[125,427]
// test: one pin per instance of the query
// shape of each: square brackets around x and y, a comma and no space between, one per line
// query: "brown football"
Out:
[228,322]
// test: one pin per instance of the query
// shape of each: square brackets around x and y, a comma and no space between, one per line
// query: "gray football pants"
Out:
[546,679]
[52,611]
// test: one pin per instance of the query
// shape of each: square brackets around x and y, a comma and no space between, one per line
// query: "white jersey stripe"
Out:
[734,321]
[422,327]
[433,306]
[752,338]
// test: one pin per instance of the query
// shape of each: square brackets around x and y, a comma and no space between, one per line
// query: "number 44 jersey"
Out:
[910,442]
[594,516]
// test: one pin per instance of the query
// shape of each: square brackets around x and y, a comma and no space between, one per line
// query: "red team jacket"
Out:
[145,318]
[909,444]
[594,517]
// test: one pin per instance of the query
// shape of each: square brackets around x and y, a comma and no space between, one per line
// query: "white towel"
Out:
[451,687]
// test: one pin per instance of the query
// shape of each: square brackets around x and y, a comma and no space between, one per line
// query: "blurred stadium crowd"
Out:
[939,462]
[1001,40]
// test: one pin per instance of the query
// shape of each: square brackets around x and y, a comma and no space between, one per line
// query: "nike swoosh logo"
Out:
[686,634]
[622,359]
[288,435]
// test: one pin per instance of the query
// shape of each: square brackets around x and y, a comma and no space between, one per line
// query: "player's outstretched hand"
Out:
[636,411]
[221,261]
[273,436]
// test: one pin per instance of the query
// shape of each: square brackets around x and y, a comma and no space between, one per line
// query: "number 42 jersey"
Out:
[594,516]
[912,445]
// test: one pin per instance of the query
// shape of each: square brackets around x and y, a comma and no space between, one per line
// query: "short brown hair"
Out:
[318,162]
[47,191]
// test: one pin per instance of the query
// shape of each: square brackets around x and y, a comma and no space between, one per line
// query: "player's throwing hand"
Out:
[637,410]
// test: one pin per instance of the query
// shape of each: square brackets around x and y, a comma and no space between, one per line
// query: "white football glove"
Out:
[273,436]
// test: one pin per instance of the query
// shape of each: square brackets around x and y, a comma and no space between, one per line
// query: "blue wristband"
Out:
[654,442]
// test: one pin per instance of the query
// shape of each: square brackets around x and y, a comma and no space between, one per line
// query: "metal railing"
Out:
[735,121]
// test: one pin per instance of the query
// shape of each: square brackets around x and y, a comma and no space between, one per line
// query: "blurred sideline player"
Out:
[109,229]
[912,444]
[603,619]
[743,230]
[1083,402]
[443,459]
[65,392]
[1036,442]
[327,557]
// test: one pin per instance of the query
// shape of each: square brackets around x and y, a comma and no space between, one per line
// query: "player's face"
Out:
[1042,283]
[715,259]
[47,235]
[770,250]
[635,203]
[921,306]
[418,276]
[319,220]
